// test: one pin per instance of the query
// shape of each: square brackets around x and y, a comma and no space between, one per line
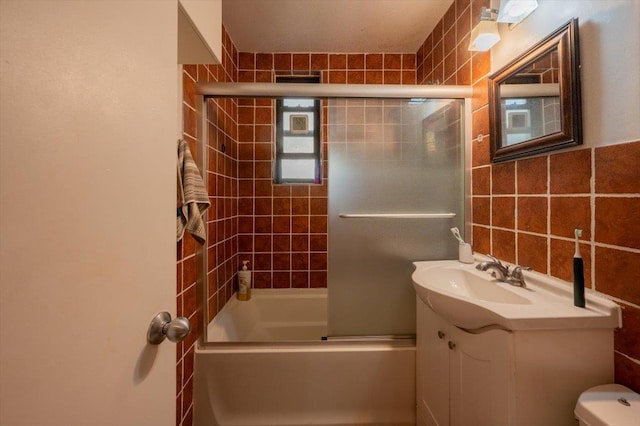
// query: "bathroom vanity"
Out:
[492,354]
[461,377]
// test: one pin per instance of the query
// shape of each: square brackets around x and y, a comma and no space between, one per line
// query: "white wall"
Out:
[610,55]
[88,128]
[200,32]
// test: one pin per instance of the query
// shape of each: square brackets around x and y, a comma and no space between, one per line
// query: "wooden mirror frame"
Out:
[565,40]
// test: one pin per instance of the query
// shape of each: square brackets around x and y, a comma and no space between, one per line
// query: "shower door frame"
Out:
[205,91]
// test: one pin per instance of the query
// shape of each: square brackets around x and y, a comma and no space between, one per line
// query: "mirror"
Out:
[534,102]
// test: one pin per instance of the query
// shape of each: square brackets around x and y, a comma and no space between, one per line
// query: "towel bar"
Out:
[397,215]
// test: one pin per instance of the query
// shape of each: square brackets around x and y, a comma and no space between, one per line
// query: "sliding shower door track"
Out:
[373,338]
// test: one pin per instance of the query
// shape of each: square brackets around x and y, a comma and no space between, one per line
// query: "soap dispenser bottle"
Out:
[244,282]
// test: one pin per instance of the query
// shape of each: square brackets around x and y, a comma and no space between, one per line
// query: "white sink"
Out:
[468,283]
[472,299]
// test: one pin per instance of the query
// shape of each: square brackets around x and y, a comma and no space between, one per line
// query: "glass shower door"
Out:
[389,157]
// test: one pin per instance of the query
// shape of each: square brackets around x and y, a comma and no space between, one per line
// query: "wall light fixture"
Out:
[485,34]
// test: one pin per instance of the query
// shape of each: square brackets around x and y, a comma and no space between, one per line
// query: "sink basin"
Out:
[473,300]
[468,283]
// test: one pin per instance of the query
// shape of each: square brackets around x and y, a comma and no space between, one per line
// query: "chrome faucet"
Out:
[502,273]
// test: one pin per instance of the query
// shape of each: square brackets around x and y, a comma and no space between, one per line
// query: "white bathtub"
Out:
[298,383]
[272,316]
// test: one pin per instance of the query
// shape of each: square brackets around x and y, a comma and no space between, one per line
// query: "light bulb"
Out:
[514,11]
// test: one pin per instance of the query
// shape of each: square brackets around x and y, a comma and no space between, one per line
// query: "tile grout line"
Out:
[515,213]
[491,228]
[637,361]
[548,199]
[592,225]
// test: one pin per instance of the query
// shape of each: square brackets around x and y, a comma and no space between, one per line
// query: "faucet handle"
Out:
[495,259]
[517,276]
[518,269]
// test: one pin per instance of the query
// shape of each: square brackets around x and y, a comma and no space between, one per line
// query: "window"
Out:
[298,137]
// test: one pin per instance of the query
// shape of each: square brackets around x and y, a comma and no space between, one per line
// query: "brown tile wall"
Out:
[525,211]
[594,189]
[283,228]
[443,58]
[335,68]
[222,218]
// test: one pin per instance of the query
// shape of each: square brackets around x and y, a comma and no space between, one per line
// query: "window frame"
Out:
[280,155]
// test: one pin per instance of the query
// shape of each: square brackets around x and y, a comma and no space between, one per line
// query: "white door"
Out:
[89,124]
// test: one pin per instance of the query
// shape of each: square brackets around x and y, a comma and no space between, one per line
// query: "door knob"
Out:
[163,326]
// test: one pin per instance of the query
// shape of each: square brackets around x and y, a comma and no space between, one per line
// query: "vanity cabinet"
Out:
[462,378]
[498,377]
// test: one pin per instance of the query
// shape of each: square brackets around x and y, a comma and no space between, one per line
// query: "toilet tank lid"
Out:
[604,405]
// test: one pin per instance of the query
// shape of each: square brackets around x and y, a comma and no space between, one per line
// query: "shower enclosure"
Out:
[396,184]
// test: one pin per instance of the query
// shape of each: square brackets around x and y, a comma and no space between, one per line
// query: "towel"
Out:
[193,200]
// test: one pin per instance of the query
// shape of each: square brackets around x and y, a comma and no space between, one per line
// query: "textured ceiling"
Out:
[331,25]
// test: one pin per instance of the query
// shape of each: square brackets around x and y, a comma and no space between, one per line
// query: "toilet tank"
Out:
[608,405]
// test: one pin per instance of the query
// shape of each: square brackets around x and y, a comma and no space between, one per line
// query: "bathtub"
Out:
[287,375]
[272,316]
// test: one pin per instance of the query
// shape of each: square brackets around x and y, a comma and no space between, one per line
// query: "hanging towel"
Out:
[193,200]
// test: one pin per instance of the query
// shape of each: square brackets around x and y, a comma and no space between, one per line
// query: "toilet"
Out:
[608,405]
